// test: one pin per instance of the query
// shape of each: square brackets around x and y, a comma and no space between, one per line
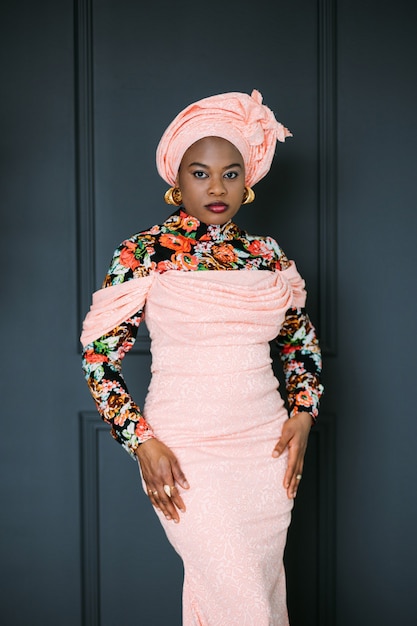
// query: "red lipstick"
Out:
[217,207]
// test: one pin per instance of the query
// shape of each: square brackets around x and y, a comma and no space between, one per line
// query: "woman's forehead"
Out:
[212,149]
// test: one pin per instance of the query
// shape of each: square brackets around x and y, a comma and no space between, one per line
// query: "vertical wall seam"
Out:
[84,151]
[90,427]
[327,175]
[326,508]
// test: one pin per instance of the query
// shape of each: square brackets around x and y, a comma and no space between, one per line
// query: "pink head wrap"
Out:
[241,119]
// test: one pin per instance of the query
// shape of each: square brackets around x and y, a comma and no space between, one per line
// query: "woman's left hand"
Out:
[294,435]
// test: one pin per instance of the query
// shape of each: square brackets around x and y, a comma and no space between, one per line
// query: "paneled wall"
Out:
[113,94]
[89,87]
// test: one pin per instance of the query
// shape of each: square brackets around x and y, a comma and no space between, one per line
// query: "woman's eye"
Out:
[199,174]
[231,175]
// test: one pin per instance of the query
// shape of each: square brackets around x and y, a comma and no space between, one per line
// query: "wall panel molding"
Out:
[326,442]
[311,539]
[85,167]
[327,175]
[91,425]
[84,142]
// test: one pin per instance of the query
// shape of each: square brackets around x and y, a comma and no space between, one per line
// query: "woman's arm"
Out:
[301,358]
[102,364]
[102,358]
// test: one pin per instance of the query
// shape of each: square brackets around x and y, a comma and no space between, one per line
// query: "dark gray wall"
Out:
[375,369]
[88,88]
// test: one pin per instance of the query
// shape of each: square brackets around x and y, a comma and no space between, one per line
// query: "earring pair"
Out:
[173,196]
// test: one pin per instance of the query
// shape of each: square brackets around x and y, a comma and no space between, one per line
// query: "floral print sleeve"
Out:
[102,360]
[301,358]
[300,354]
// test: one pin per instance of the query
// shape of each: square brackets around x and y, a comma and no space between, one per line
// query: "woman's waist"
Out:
[213,403]
[194,417]
[195,360]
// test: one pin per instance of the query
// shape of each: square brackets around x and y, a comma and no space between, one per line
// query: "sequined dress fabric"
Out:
[213,399]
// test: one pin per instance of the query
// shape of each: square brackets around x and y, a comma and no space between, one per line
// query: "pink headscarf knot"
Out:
[241,119]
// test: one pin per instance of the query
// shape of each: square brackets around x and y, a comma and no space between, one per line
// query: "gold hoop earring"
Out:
[248,195]
[173,196]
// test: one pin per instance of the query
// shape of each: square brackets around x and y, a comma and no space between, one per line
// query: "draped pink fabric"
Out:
[113,305]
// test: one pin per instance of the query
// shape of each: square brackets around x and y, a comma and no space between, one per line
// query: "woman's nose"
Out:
[217,186]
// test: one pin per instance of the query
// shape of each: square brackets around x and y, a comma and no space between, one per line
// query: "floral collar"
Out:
[188,226]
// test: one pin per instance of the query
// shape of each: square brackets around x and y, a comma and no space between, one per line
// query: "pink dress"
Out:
[214,400]
[213,297]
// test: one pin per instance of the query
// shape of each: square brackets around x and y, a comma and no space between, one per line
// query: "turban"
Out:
[241,119]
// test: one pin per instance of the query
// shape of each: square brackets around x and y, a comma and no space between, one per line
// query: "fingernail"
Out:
[275,453]
[186,485]
[168,517]
[176,521]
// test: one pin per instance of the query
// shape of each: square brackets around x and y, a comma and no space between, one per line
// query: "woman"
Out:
[216,449]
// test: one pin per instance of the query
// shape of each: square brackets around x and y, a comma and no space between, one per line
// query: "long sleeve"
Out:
[102,365]
[301,358]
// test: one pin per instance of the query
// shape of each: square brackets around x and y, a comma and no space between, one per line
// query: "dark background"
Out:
[88,87]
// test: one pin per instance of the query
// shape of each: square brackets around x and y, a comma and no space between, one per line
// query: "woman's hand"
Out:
[160,471]
[294,435]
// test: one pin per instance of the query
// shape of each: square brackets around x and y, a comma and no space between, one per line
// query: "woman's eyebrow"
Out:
[195,164]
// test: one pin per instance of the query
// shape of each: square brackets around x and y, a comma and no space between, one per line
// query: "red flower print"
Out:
[93,357]
[141,427]
[304,398]
[127,255]
[259,248]
[179,243]
[164,266]
[224,253]
[189,223]
[288,348]
[185,261]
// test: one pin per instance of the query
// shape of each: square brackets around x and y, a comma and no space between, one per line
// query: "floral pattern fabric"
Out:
[183,243]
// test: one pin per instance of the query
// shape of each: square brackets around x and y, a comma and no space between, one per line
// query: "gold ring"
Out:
[167,490]
[298,477]
[155,493]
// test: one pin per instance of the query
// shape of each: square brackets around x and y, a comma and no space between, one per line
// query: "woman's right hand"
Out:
[160,468]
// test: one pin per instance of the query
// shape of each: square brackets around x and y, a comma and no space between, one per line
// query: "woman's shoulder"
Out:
[132,258]
[266,245]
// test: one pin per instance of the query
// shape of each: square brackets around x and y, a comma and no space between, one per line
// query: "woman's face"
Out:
[212,180]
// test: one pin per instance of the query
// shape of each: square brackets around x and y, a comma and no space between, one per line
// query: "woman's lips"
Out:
[217,207]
